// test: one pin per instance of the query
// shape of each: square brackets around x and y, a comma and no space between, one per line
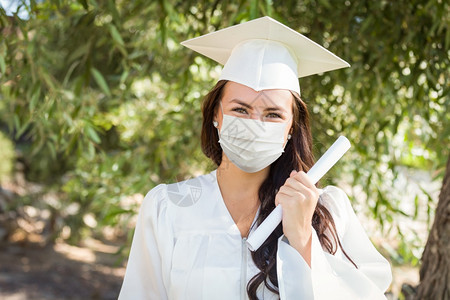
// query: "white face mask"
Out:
[251,144]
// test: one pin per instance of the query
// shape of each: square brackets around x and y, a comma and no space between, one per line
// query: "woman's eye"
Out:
[240,110]
[273,115]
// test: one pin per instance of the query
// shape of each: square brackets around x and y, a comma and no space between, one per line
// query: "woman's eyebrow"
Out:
[241,103]
[274,108]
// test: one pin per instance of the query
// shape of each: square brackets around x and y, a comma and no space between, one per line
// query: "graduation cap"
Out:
[265,54]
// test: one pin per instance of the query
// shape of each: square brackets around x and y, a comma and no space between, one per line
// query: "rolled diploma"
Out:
[320,168]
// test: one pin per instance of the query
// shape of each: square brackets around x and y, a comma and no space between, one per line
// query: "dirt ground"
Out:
[60,271]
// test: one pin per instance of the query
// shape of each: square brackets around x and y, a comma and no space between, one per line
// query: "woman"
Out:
[190,239]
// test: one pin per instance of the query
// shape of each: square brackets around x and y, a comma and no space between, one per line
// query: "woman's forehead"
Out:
[238,93]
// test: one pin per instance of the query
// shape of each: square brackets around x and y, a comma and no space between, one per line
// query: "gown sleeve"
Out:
[144,277]
[333,276]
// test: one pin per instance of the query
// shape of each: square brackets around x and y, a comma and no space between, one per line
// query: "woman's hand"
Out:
[298,197]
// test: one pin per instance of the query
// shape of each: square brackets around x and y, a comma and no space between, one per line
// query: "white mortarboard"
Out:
[265,54]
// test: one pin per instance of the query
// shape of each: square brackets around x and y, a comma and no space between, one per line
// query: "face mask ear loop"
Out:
[221,108]
[287,140]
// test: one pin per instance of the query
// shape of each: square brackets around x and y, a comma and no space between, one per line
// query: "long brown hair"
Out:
[297,155]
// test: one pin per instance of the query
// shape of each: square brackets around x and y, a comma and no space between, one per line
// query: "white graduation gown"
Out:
[187,246]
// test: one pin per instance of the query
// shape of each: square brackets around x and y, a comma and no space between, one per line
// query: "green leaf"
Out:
[84,3]
[325,3]
[92,134]
[2,64]
[91,150]
[253,9]
[52,149]
[83,49]
[35,98]
[71,145]
[22,129]
[447,38]
[100,81]
[47,79]
[116,35]
[16,122]
[113,213]
[269,8]
[416,206]
[124,76]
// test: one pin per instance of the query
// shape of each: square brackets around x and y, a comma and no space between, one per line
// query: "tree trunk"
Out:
[435,269]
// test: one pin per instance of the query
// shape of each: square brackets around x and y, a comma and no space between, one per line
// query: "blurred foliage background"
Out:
[99,102]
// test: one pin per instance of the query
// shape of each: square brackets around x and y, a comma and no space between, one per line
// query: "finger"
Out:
[304,179]
[284,191]
[305,192]
[310,192]
[293,172]
[293,183]
[290,192]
